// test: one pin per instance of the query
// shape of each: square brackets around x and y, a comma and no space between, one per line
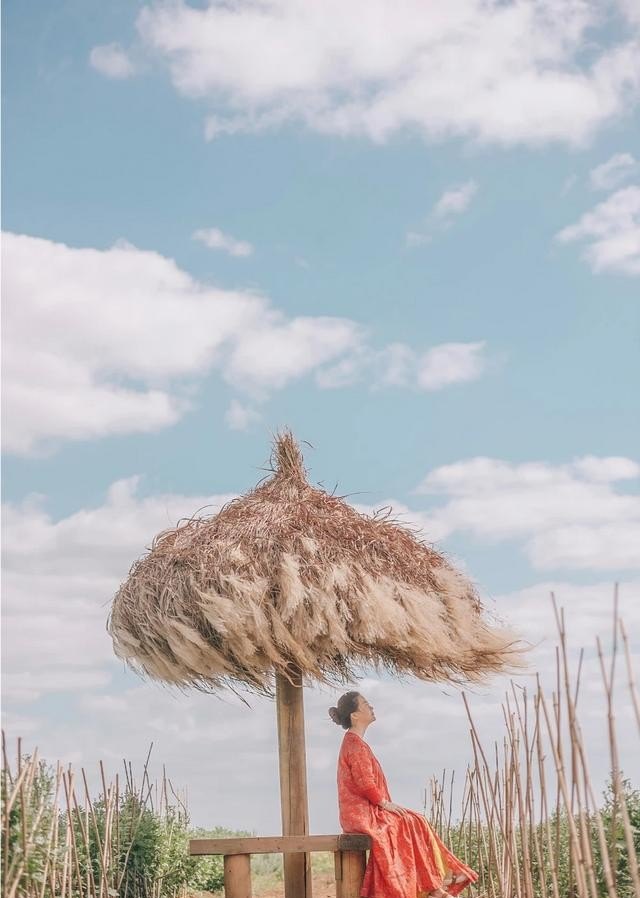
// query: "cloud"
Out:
[566,516]
[612,172]
[506,73]
[612,230]
[452,203]
[456,200]
[239,416]
[117,341]
[111,60]
[611,546]
[100,342]
[58,577]
[398,365]
[281,350]
[451,363]
[630,9]
[214,238]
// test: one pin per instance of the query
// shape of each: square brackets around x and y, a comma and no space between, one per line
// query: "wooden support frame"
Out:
[293,779]
[237,876]
[280,844]
[349,850]
[350,867]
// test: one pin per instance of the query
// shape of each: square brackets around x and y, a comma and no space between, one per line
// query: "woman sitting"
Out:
[407,859]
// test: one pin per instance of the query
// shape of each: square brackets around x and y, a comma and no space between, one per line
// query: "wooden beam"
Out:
[237,876]
[280,844]
[350,867]
[293,780]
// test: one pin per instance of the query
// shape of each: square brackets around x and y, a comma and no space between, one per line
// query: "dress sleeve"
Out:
[362,771]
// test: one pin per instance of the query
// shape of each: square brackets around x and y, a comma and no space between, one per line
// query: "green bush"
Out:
[149,855]
[614,830]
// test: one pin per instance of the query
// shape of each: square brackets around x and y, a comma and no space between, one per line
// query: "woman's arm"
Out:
[364,780]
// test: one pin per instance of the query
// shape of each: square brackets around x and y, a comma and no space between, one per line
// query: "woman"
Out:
[407,859]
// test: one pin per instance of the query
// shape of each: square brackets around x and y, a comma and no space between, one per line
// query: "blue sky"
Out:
[424,250]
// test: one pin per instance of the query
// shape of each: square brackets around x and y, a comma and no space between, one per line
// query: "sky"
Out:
[411,233]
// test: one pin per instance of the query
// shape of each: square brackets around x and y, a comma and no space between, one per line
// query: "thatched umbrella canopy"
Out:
[289,574]
[292,581]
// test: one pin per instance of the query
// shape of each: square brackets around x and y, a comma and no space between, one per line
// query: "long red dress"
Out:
[407,859]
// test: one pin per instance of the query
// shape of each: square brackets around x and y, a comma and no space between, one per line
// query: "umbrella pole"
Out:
[293,780]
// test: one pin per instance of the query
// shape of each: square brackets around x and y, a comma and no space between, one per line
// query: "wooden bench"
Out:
[349,851]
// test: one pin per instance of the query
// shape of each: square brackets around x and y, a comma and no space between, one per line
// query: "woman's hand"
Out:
[394,808]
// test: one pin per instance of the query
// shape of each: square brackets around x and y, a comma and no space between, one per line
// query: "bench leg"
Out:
[237,876]
[350,867]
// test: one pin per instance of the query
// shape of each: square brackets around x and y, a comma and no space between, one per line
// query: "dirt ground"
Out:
[324,886]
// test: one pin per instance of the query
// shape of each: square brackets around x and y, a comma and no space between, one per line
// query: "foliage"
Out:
[548,848]
[614,829]
[24,826]
[123,849]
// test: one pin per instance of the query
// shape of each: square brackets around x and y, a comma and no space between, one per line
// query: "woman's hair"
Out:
[347,704]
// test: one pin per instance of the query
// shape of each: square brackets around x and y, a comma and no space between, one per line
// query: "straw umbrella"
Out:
[290,583]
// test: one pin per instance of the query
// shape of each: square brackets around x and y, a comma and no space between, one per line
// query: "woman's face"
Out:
[365,714]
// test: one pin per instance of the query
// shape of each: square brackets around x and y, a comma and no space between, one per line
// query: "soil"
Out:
[324,886]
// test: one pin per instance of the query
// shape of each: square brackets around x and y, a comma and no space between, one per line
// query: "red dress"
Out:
[407,859]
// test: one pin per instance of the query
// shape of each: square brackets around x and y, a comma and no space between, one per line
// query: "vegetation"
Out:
[530,823]
[58,843]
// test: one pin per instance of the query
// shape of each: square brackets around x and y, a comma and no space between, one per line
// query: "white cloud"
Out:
[566,516]
[214,238]
[613,546]
[612,230]
[631,9]
[398,365]
[111,60]
[239,416]
[612,172]
[506,73]
[347,371]
[451,363]
[101,342]
[589,610]
[606,469]
[116,341]
[280,350]
[455,200]
[58,577]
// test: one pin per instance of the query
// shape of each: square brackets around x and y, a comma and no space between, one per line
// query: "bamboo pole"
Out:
[632,682]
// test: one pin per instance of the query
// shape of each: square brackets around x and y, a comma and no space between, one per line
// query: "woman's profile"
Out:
[407,858]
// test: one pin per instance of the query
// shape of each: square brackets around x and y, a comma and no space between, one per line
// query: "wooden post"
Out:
[237,876]
[293,780]
[350,867]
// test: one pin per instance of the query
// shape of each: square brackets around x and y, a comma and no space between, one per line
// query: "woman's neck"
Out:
[360,730]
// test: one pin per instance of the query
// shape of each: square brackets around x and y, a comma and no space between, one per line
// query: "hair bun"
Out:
[334,714]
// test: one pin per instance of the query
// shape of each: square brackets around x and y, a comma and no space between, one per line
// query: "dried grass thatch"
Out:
[289,574]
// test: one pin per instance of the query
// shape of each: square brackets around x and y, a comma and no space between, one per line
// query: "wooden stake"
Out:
[237,876]
[350,867]
[293,780]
